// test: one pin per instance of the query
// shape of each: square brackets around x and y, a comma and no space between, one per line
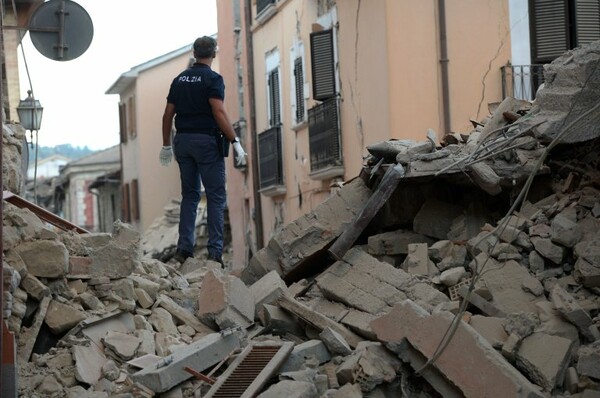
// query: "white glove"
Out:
[241,155]
[166,154]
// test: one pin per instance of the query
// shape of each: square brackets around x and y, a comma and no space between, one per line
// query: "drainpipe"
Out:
[258,221]
[444,64]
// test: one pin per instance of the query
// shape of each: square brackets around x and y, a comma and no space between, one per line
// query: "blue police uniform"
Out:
[196,148]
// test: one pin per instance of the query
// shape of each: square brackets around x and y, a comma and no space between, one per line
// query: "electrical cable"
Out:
[478,272]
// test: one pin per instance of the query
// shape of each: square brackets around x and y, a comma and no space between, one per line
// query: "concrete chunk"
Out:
[62,317]
[225,301]
[200,355]
[589,360]
[45,258]
[544,366]
[312,349]
[267,289]
[496,377]
[395,242]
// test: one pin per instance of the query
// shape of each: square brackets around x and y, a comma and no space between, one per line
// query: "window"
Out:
[560,25]
[298,97]
[261,5]
[126,213]
[270,168]
[123,123]
[135,200]
[323,65]
[273,88]
[274,100]
[131,127]
[324,140]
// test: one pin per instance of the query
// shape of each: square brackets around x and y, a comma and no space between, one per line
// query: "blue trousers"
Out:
[200,162]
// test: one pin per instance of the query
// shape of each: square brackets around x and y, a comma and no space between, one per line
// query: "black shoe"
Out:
[181,255]
[216,258]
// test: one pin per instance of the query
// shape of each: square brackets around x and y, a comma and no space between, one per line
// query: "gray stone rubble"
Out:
[517,290]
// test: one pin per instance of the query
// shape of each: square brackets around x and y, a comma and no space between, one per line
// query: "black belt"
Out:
[209,132]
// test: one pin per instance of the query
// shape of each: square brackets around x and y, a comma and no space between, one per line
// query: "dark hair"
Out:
[205,47]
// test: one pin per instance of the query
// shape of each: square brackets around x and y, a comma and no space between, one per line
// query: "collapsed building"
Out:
[466,267]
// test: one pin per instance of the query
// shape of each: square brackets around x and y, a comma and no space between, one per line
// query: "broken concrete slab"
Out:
[425,331]
[29,335]
[225,301]
[200,355]
[588,363]
[182,314]
[546,367]
[62,317]
[312,349]
[335,342]
[566,304]
[88,363]
[267,290]
[290,389]
[44,258]
[395,242]
[310,233]
[123,345]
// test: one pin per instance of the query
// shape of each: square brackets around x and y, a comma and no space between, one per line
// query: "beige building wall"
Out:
[389,83]
[156,184]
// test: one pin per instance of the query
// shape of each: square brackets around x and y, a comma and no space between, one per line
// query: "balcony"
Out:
[521,81]
[270,166]
[325,141]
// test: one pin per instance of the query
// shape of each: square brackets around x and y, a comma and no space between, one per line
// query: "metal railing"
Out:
[521,81]
[324,135]
[270,167]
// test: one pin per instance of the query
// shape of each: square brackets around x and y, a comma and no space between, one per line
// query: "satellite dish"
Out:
[61,30]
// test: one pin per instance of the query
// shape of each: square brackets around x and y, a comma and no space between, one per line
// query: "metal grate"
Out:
[324,135]
[250,371]
[270,158]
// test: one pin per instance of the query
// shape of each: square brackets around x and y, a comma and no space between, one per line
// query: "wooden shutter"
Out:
[322,65]
[274,100]
[549,29]
[299,83]
[125,210]
[587,21]
[135,200]
[123,123]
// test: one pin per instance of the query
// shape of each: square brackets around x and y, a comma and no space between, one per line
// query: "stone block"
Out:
[496,377]
[546,367]
[45,258]
[123,345]
[34,287]
[267,289]
[589,360]
[566,304]
[163,321]
[62,317]
[88,363]
[335,343]
[395,242]
[225,301]
[278,321]
[290,389]
[314,350]
[80,266]
[549,250]
[113,261]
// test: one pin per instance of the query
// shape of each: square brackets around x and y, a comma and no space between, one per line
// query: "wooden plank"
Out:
[386,187]
[42,213]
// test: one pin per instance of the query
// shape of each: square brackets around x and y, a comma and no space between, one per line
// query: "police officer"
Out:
[195,100]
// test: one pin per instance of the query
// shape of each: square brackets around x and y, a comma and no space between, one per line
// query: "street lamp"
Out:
[30,112]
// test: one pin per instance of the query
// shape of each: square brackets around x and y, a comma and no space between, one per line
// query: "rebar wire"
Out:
[451,330]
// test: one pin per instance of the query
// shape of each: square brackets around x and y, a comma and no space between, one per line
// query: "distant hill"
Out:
[66,150]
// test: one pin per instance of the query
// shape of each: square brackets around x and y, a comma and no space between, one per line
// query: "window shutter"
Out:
[549,29]
[299,80]
[587,21]
[123,123]
[274,100]
[135,200]
[323,65]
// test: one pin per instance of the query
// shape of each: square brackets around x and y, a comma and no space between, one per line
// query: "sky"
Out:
[126,33]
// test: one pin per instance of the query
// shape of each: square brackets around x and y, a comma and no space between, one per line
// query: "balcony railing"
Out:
[270,166]
[324,137]
[521,81]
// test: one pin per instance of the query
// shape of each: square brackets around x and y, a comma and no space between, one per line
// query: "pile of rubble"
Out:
[469,268]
